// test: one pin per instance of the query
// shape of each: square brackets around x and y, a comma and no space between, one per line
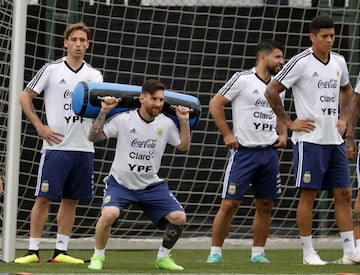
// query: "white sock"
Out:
[307,245]
[256,251]
[358,244]
[163,252]
[62,242]
[34,243]
[216,250]
[99,252]
[348,242]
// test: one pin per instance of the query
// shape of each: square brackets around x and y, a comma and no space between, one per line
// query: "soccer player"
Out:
[142,136]
[352,153]
[319,79]
[66,165]
[253,142]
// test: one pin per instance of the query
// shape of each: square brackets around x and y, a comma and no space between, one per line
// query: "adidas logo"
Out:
[133,131]
[315,74]
[62,81]
[255,91]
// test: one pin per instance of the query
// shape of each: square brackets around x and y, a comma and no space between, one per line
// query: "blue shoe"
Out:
[260,259]
[214,258]
[338,261]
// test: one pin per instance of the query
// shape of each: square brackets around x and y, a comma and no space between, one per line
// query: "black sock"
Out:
[57,252]
[30,252]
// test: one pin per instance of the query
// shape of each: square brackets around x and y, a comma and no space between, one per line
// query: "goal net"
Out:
[192,46]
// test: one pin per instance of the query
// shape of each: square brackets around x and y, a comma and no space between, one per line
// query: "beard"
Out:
[153,111]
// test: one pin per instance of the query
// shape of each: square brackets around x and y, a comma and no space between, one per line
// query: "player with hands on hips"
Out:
[319,81]
[142,135]
[253,158]
[67,156]
[352,154]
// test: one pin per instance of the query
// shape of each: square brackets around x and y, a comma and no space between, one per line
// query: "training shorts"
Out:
[320,167]
[65,174]
[258,167]
[155,200]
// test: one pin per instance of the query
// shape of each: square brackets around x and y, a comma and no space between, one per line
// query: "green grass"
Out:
[142,262]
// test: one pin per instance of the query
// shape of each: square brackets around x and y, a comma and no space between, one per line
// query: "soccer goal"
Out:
[193,46]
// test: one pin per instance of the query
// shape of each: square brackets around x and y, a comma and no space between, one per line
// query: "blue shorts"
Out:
[320,167]
[156,200]
[256,166]
[66,174]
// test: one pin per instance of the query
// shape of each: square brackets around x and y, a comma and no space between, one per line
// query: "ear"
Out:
[262,57]
[141,98]
[65,43]
[312,37]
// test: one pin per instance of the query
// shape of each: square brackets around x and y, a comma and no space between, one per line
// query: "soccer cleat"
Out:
[167,263]
[313,259]
[351,259]
[214,258]
[96,262]
[338,261]
[28,259]
[260,259]
[66,259]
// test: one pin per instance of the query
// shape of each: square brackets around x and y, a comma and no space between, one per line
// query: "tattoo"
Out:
[171,235]
[96,132]
[275,102]
[356,219]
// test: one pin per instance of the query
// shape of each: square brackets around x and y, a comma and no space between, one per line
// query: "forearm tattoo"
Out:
[356,219]
[96,130]
[275,102]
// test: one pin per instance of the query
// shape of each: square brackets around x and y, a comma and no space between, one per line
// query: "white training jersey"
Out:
[357,85]
[316,89]
[57,80]
[254,122]
[139,148]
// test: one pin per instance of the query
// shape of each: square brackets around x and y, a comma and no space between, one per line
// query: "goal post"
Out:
[193,47]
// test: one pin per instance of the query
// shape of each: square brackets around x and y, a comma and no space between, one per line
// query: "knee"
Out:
[264,206]
[109,215]
[229,206]
[176,217]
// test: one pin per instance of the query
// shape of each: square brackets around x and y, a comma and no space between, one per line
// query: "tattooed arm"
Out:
[272,95]
[96,132]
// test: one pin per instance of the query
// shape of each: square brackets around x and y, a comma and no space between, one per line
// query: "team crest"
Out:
[307,177]
[232,188]
[338,73]
[159,132]
[107,199]
[45,186]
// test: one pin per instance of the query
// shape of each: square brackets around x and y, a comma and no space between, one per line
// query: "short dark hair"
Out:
[321,22]
[268,46]
[151,86]
[77,26]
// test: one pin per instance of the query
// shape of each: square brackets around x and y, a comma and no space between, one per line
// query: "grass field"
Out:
[142,262]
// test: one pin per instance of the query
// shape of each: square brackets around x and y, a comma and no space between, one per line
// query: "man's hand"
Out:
[108,103]
[351,148]
[306,125]
[51,137]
